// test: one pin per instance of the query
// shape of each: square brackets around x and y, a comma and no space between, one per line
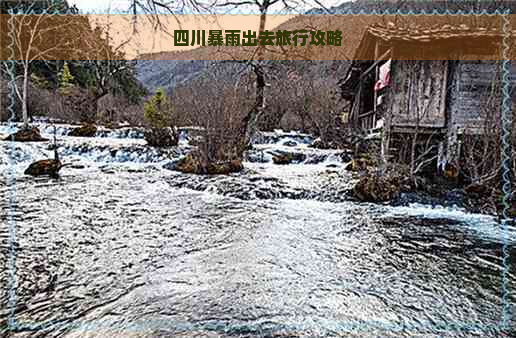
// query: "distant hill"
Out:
[167,74]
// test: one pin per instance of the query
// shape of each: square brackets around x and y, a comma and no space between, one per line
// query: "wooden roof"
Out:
[438,43]
[459,37]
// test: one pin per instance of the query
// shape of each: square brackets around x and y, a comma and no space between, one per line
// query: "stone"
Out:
[282,158]
[224,168]
[161,137]
[86,130]
[44,168]
[288,158]
[190,164]
[375,188]
[26,135]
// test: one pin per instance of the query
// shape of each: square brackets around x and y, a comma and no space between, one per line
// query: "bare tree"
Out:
[39,37]
[215,102]
[256,62]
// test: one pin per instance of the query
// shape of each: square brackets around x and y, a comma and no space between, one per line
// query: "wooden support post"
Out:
[376,76]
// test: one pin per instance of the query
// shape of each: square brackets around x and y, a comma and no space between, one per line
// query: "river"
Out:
[120,246]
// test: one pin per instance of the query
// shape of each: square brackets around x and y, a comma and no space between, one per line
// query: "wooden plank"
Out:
[380,59]
[376,75]
[400,79]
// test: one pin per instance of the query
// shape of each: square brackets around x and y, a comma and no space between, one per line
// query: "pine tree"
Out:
[65,79]
[154,110]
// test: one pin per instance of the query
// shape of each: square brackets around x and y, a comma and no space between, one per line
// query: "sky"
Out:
[98,6]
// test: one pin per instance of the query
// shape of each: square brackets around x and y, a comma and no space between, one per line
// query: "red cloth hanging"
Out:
[384,76]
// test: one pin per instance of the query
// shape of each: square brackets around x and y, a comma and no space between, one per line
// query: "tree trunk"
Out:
[25,112]
[257,110]
[251,120]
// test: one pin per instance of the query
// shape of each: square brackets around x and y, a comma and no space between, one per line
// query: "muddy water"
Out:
[141,251]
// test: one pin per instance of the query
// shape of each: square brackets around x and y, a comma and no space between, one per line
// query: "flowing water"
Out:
[120,246]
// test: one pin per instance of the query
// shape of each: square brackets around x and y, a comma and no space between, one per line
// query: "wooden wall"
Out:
[471,87]
[418,92]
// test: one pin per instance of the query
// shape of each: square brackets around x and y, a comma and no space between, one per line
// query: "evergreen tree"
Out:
[65,78]
[154,110]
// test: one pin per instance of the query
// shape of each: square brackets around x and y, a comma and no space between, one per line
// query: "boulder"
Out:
[44,168]
[87,130]
[161,137]
[224,168]
[288,158]
[190,164]
[26,135]
[375,188]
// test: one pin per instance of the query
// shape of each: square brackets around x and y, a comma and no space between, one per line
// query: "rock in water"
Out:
[44,168]
[375,188]
[161,137]
[282,158]
[288,158]
[319,144]
[26,135]
[191,165]
[224,168]
[87,130]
